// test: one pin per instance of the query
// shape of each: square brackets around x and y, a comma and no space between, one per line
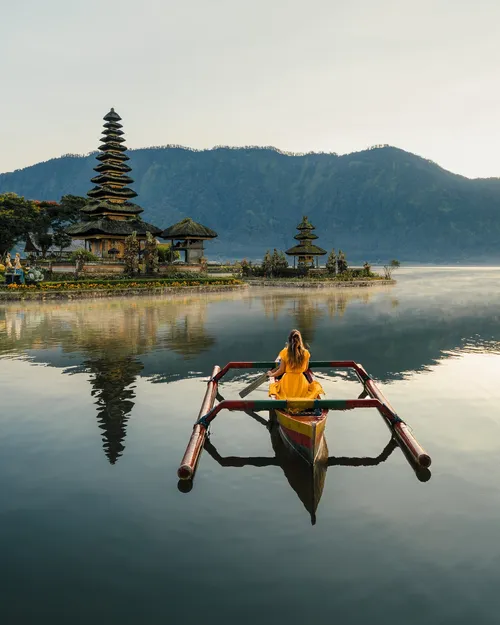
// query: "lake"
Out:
[98,399]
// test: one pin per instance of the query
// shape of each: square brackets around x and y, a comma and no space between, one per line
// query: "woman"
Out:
[294,361]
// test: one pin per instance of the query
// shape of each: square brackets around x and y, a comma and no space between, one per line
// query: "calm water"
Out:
[97,404]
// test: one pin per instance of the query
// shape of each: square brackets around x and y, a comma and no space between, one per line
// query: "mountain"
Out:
[377,204]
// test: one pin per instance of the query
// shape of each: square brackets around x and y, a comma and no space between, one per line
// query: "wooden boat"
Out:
[303,429]
[301,422]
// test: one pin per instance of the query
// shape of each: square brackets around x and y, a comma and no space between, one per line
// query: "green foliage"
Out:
[341,262]
[267,263]
[81,256]
[166,254]
[131,255]
[101,283]
[69,209]
[388,269]
[331,263]
[151,254]
[17,217]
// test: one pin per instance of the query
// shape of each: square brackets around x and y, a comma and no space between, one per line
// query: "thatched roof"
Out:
[112,116]
[306,250]
[113,227]
[112,125]
[188,229]
[126,208]
[305,224]
[305,235]
[104,192]
[112,130]
[112,136]
[110,145]
[117,156]
[102,167]
[104,178]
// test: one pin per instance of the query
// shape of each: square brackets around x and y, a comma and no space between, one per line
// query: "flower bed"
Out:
[119,285]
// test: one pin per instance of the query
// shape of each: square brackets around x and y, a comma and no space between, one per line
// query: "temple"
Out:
[305,251]
[187,236]
[110,217]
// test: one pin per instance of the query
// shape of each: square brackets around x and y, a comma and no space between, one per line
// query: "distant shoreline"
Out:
[318,284]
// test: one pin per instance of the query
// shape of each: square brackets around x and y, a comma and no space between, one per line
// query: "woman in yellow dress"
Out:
[294,361]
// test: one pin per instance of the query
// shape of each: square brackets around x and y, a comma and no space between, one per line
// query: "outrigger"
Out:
[300,421]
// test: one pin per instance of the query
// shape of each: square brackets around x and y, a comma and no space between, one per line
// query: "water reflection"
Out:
[307,481]
[393,332]
[112,382]
[390,332]
[307,310]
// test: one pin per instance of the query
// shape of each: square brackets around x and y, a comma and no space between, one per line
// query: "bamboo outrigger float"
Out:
[300,416]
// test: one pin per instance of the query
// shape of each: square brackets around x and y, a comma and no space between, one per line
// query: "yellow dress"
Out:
[294,384]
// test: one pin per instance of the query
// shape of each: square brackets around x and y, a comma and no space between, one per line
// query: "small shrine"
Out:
[110,217]
[305,252]
[188,236]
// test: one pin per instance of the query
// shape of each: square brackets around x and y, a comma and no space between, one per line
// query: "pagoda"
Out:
[109,216]
[305,251]
[188,236]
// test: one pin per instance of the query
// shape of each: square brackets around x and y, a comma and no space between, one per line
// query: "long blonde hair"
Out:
[296,351]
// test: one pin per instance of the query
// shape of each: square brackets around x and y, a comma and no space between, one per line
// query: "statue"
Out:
[8,262]
[17,262]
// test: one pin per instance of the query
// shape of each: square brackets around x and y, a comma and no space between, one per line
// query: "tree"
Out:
[341,262]
[275,262]
[388,269]
[283,261]
[131,254]
[41,228]
[166,253]
[17,217]
[69,208]
[151,254]
[267,263]
[61,239]
[66,213]
[331,263]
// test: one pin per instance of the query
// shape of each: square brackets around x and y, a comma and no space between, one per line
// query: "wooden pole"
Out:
[400,429]
[189,463]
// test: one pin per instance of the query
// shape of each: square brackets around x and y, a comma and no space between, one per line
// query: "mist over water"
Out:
[98,401]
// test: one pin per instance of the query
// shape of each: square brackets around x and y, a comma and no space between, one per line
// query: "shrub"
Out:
[82,255]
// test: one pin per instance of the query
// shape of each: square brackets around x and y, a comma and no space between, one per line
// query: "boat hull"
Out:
[303,433]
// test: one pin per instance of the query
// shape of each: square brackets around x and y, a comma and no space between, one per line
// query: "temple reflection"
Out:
[112,382]
[307,309]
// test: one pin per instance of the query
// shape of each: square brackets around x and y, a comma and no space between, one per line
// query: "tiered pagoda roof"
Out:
[305,238]
[109,210]
[112,176]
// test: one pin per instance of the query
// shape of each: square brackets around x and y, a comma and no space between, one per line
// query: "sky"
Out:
[300,75]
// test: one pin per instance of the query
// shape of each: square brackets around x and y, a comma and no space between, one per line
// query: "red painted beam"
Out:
[191,456]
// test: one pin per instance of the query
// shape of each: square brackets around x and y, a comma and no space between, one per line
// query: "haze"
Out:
[315,75]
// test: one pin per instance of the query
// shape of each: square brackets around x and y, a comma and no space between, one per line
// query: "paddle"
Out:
[255,384]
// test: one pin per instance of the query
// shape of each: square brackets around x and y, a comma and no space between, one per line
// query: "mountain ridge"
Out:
[375,204]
